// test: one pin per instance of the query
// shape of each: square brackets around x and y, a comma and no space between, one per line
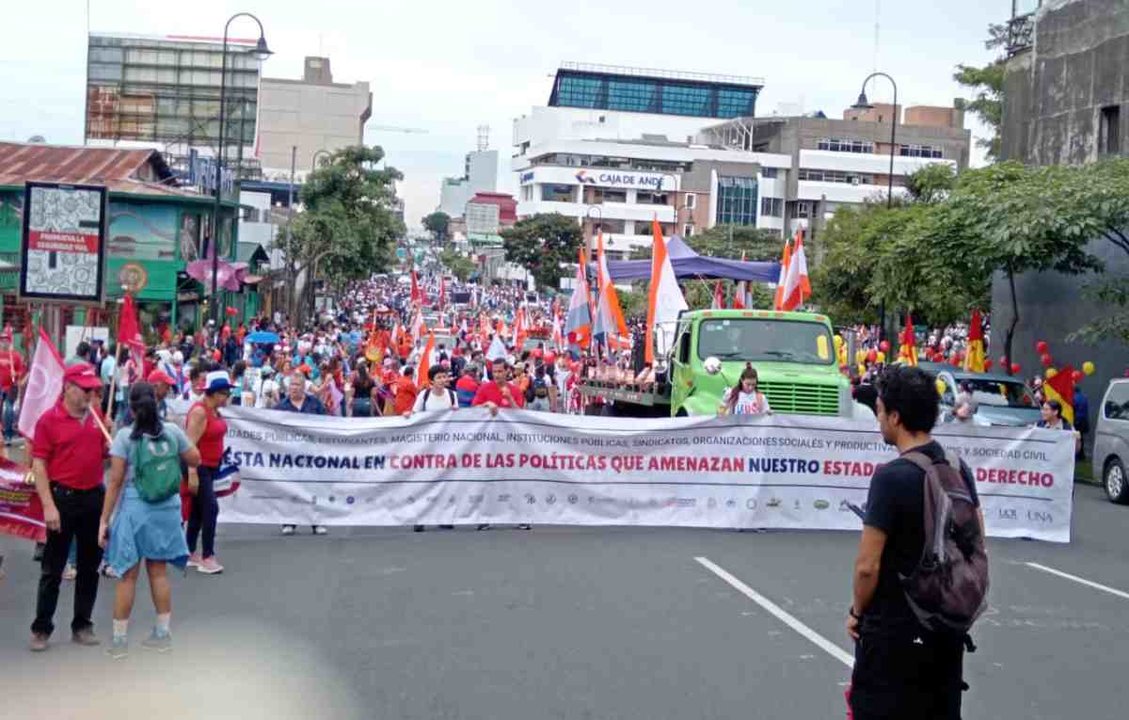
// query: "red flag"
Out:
[129,332]
[44,384]
[1061,388]
[718,297]
[417,294]
[424,366]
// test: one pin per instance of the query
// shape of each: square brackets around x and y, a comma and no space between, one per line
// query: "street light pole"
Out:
[261,52]
[864,104]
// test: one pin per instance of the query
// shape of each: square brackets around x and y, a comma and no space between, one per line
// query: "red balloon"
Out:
[987,365]
[1003,361]
[884,346]
[1078,375]
[956,361]
[1015,368]
[1046,360]
[1041,347]
[871,356]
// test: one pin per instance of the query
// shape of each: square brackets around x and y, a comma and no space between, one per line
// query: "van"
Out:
[1111,442]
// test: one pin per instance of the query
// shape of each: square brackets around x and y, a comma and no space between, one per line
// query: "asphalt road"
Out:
[561,623]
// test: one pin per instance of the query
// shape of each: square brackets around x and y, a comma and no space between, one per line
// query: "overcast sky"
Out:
[450,66]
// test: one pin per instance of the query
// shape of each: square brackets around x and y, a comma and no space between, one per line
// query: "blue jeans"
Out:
[205,511]
[9,400]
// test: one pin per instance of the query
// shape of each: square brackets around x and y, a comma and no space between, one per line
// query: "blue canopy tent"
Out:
[689,264]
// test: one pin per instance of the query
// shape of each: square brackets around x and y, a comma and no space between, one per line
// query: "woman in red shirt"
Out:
[206,428]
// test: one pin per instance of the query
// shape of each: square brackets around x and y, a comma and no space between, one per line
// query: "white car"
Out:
[1111,442]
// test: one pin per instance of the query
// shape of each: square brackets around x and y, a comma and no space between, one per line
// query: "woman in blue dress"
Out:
[143,530]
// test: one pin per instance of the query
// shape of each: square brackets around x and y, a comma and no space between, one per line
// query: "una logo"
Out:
[582,178]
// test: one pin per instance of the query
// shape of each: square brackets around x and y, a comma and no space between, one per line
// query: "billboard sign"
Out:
[64,242]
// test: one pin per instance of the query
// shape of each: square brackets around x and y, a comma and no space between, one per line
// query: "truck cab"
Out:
[793,353]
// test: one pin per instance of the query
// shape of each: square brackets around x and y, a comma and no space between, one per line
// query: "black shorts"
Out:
[907,674]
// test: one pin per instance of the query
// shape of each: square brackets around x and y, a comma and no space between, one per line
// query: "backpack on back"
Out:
[450,396]
[948,590]
[156,474]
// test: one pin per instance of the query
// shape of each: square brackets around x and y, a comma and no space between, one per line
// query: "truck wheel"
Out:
[1116,483]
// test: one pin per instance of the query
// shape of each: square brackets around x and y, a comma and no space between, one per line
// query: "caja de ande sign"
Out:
[617,179]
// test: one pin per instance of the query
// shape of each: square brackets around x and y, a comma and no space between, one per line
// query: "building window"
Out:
[772,207]
[768,172]
[803,210]
[558,193]
[921,151]
[736,200]
[851,146]
[833,176]
[1109,131]
[644,228]
[690,200]
[646,197]
[687,230]
[600,196]
[610,226]
[692,100]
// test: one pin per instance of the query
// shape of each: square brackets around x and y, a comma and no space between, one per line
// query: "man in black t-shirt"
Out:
[901,669]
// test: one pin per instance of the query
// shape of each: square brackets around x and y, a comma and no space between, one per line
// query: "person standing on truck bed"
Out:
[744,398]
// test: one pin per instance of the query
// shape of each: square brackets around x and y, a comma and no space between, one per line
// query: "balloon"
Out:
[956,361]
[1003,361]
[881,357]
[1088,367]
[941,386]
[884,346]
[871,356]
[860,355]
[1046,360]
[838,340]
[987,365]
[1051,372]
[1041,347]
[1015,368]
[1078,375]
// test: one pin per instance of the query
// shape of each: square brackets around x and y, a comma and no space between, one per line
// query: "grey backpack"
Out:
[948,590]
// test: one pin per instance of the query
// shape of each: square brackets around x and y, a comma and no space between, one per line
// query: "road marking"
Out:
[1080,581]
[779,613]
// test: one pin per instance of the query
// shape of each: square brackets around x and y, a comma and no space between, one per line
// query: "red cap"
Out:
[159,376]
[83,375]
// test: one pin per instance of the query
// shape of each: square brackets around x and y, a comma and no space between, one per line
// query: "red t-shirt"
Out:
[72,448]
[406,392]
[211,442]
[490,392]
[8,362]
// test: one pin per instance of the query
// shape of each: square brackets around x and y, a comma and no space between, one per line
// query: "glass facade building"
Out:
[653,91]
[736,200]
[167,90]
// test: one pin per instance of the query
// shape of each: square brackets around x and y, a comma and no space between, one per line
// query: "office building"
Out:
[480,175]
[312,114]
[163,92]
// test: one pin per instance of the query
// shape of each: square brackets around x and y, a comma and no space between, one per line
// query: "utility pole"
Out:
[291,278]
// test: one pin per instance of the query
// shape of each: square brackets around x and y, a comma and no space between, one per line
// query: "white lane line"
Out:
[1080,581]
[779,613]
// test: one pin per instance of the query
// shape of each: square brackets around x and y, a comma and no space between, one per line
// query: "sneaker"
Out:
[70,572]
[119,648]
[210,566]
[320,530]
[417,528]
[287,529]
[85,637]
[483,526]
[195,560]
[38,642]
[158,641]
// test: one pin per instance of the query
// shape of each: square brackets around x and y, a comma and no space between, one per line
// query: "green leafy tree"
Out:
[931,183]
[543,244]
[438,224]
[459,265]
[348,228]
[987,84]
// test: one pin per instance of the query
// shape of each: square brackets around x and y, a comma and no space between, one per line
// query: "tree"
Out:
[931,183]
[988,84]
[438,224]
[348,229]
[458,264]
[542,244]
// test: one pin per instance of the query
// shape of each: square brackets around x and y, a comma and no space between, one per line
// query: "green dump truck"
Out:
[793,352]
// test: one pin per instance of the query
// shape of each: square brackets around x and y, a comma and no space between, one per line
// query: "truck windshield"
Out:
[765,339]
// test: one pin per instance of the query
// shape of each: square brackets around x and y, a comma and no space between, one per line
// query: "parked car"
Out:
[1111,441]
[1000,399]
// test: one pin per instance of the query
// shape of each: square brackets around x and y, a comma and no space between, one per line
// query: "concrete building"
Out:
[835,162]
[480,175]
[1066,101]
[310,114]
[163,92]
[617,147]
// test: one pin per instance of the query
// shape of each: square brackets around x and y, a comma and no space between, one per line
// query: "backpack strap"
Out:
[935,500]
[426,395]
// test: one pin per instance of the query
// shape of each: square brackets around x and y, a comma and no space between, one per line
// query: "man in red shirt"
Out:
[498,392]
[11,372]
[67,454]
[405,392]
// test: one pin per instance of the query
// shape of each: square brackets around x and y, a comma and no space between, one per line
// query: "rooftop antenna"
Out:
[483,138]
[877,11]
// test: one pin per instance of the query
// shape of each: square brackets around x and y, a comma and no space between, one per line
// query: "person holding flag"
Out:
[975,354]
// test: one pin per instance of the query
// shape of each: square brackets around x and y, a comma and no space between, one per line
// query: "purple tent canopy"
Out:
[688,263]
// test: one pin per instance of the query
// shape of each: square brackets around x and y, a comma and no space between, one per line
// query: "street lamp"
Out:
[261,52]
[314,161]
[864,104]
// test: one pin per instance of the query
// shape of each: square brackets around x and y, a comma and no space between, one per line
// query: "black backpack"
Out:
[450,394]
[948,590]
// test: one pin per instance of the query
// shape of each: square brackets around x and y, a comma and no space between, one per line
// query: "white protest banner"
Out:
[524,467]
